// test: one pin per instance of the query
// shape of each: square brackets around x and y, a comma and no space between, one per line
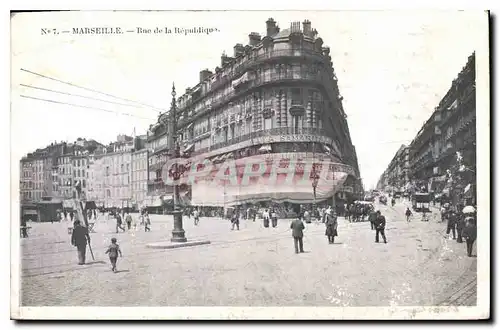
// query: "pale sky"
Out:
[392,67]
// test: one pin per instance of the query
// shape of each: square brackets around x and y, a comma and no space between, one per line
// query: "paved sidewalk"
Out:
[255,266]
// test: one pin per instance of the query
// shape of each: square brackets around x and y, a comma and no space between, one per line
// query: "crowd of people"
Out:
[461,225]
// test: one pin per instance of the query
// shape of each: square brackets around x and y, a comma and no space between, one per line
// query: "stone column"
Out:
[309,112]
[277,108]
[283,109]
[288,104]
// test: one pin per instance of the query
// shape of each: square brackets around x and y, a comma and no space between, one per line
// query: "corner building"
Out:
[276,96]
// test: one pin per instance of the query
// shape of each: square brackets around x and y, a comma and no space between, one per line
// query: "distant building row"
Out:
[432,155]
[114,175]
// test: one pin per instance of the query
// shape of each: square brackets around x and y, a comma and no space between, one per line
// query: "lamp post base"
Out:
[178,234]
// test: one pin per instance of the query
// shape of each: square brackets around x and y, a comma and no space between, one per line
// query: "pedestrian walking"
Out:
[113,251]
[331,227]
[128,220]
[425,218]
[235,220]
[460,227]
[372,217]
[24,227]
[297,227]
[147,223]
[442,211]
[408,214]
[79,238]
[451,225]
[265,217]
[71,215]
[470,234]
[196,216]
[380,227]
[307,216]
[119,222]
[274,218]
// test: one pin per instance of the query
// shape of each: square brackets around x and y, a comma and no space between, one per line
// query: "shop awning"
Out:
[265,148]
[155,202]
[167,198]
[69,204]
[189,148]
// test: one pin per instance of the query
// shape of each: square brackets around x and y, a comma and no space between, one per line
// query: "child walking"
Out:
[113,251]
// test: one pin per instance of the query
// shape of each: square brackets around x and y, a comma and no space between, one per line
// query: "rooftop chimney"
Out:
[205,74]
[306,27]
[224,59]
[294,27]
[270,27]
[254,39]
[238,50]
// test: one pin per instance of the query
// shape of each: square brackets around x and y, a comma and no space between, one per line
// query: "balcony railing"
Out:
[318,78]
[269,132]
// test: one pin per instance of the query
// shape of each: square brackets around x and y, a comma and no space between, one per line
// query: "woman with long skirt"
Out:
[331,227]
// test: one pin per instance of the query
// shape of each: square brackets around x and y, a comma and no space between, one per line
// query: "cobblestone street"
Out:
[255,266]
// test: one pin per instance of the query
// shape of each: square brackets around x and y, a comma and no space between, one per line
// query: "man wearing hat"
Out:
[470,234]
[297,227]
[79,238]
[380,227]
[452,222]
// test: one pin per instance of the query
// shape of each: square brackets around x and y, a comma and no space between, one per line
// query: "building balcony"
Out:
[319,79]
[297,109]
[269,132]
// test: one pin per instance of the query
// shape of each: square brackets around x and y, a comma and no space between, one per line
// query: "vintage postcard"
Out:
[250,165]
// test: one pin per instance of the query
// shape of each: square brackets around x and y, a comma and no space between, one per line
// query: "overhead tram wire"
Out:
[159,110]
[84,106]
[82,96]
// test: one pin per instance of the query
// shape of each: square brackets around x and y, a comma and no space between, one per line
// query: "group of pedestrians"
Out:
[144,220]
[461,226]
[80,238]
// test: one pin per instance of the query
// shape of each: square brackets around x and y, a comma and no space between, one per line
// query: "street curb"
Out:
[170,245]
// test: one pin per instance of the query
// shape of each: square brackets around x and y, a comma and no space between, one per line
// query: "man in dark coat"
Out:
[24,227]
[119,222]
[460,227]
[79,238]
[452,222]
[380,227]
[331,227]
[372,218]
[470,234]
[297,228]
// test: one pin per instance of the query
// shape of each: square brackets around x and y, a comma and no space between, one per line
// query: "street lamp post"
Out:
[315,179]
[178,233]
